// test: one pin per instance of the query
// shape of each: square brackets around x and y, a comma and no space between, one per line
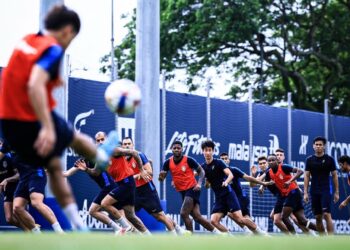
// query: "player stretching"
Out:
[29,124]
[181,168]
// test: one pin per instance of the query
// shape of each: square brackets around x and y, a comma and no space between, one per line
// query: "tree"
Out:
[305,50]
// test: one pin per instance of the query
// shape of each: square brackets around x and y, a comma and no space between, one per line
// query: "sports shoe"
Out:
[124,231]
[107,148]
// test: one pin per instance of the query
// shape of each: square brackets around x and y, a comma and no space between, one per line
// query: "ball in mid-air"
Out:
[123,96]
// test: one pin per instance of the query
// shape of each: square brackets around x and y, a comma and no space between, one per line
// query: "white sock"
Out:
[114,225]
[246,229]
[308,224]
[179,229]
[123,223]
[216,231]
[147,232]
[36,230]
[57,227]
[173,232]
[71,211]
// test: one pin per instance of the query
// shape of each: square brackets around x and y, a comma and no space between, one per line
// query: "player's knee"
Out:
[18,210]
[36,204]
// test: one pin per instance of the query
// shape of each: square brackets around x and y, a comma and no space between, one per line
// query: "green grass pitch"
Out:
[102,241]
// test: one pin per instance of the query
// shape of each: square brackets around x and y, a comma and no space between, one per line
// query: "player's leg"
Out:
[303,221]
[129,211]
[329,222]
[160,216]
[95,211]
[185,211]
[197,216]
[326,209]
[9,216]
[37,201]
[215,219]
[286,212]
[277,215]
[316,204]
[296,222]
[19,210]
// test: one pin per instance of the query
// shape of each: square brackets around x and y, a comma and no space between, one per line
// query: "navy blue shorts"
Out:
[294,200]
[10,191]
[195,195]
[226,203]
[321,203]
[21,137]
[279,204]
[124,193]
[244,204]
[146,197]
[102,194]
[34,183]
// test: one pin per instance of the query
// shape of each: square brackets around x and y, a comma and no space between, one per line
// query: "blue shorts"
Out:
[21,137]
[102,194]
[195,195]
[146,197]
[279,204]
[10,191]
[321,203]
[244,204]
[34,183]
[226,203]
[294,200]
[124,193]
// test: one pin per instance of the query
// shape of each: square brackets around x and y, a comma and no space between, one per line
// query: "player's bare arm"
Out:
[336,186]
[162,175]
[297,173]
[38,99]
[229,178]
[4,183]
[306,186]
[257,181]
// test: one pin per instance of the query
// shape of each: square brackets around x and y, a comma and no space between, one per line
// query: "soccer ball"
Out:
[122,96]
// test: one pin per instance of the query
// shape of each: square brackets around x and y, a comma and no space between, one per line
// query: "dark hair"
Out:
[208,144]
[60,16]
[261,158]
[344,158]
[128,138]
[279,150]
[271,155]
[223,154]
[176,143]
[320,138]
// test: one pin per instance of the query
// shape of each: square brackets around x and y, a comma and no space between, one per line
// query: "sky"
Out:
[93,41]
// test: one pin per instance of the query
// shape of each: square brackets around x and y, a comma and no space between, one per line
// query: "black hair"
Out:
[279,150]
[320,138]
[60,16]
[223,154]
[128,138]
[208,144]
[262,158]
[176,143]
[344,158]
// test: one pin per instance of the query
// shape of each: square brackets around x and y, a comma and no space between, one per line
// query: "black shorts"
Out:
[294,200]
[102,194]
[34,183]
[10,191]
[147,198]
[226,203]
[195,195]
[124,193]
[21,136]
[244,204]
[279,204]
[321,203]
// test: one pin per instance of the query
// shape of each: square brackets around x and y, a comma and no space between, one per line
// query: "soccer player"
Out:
[31,189]
[102,179]
[8,182]
[181,168]
[344,164]
[219,176]
[123,195]
[284,180]
[237,188]
[146,195]
[319,166]
[29,124]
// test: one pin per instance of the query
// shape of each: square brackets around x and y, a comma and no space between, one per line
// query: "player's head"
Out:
[344,163]
[128,143]
[272,161]
[63,24]
[176,148]
[262,162]
[208,147]
[100,137]
[319,144]
[225,158]
[280,155]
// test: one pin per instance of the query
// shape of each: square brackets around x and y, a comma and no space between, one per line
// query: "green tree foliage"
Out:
[306,50]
